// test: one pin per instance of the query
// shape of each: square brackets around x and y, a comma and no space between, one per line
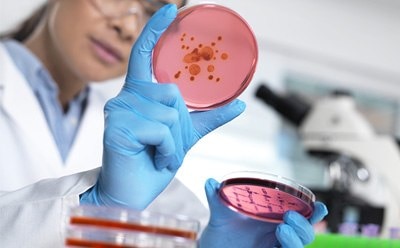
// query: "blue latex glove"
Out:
[148,129]
[227,228]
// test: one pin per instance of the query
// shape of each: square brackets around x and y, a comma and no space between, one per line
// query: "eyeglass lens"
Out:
[120,8]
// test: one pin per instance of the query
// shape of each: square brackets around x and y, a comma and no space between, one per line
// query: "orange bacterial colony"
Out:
[198,53]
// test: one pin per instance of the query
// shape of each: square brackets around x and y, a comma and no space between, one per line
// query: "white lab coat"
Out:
[32,216]
[28,152]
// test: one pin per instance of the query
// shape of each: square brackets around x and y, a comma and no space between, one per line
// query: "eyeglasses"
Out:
[141,10]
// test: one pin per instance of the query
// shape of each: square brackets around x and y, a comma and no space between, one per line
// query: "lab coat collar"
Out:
[88,143]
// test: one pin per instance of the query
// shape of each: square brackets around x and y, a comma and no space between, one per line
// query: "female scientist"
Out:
[147,132]
[51,119]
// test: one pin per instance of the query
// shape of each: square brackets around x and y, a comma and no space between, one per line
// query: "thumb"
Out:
[207,121]
[320,211]
[220,214]
[139,67]
[217,208]
[211,189]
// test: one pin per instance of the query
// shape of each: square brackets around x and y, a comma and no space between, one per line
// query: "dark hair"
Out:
[26,28]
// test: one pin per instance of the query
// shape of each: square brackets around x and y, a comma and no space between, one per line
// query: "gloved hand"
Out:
[227,228]
[148,129]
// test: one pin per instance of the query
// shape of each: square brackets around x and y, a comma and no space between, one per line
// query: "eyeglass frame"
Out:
[148,12]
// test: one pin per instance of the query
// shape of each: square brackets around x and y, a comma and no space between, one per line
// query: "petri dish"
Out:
[210,52]
[264,196]
[100,226]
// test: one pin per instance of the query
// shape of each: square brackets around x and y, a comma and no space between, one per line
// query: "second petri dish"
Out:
[264,196]
[210,52]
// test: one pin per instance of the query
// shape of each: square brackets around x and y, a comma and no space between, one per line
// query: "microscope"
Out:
[363,167]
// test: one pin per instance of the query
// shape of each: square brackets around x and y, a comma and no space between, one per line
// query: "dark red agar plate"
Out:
[265,197]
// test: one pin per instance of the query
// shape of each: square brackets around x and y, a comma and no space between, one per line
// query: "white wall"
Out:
[12,12]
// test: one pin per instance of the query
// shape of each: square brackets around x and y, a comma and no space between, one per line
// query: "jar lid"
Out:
[210,52]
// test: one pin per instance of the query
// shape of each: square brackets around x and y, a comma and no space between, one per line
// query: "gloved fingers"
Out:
[177,118]
[132,139]
[300,225]
[139,68]
[166,94]
[206,121]
[320,211]
[159,121]
[158,103]
[288,237]
[147,108]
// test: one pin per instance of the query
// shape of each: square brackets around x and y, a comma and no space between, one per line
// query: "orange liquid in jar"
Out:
[97,244]
[133,227]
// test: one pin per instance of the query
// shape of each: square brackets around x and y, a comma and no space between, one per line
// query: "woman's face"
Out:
[94,47]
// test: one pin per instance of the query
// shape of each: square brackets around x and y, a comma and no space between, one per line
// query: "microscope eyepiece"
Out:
[291,107]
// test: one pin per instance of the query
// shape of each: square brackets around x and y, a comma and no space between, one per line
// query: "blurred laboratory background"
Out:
[323,107]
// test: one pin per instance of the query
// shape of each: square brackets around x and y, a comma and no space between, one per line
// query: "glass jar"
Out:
[94,226]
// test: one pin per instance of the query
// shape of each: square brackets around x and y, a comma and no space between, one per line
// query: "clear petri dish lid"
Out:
[134,221]
[210,52]
[265,196]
